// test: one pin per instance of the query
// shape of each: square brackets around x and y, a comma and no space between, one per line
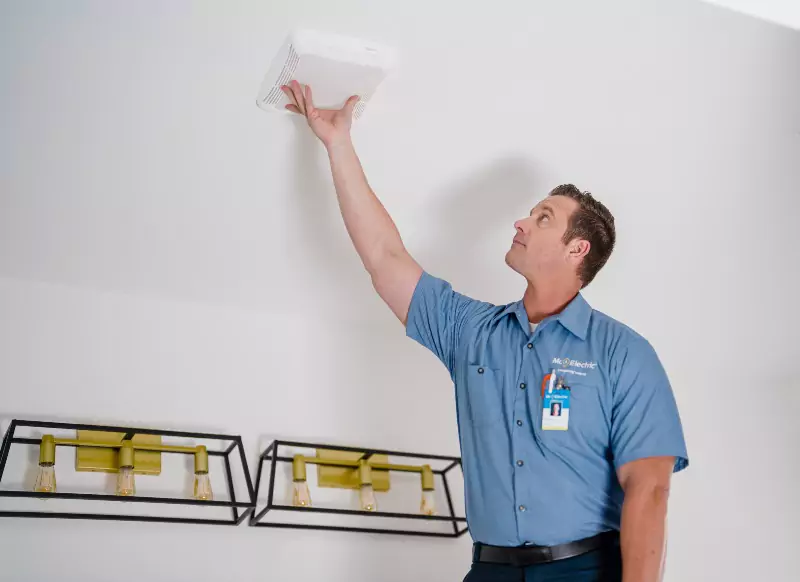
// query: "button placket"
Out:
[532,399]
[521,410]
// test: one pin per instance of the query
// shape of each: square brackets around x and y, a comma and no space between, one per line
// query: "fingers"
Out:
[295,93]
[309,100]
[297,89]
[290,96]
[311,112]
[350,105]
[302,101]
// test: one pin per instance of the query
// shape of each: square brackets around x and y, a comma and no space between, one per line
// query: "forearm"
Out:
[370,227]
[643,534]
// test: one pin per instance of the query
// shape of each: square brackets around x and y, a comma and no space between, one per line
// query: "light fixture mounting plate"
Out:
[107,460]
[347,478]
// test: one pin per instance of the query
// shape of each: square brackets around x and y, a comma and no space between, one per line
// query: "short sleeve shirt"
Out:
[524,485]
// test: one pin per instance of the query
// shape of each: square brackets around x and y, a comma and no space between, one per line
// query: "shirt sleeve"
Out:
[436,317]
[645,420]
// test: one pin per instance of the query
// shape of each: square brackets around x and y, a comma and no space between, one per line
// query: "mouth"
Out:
[516,242]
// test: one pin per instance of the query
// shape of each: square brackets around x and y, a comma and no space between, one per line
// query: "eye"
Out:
[543,218]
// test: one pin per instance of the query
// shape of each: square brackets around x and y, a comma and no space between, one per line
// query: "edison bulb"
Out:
[301,497]
[428,505]
[202,487]
[367,495]
[125,482]
[45,479]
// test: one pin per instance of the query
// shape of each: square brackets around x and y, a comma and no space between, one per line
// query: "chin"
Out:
[510,260]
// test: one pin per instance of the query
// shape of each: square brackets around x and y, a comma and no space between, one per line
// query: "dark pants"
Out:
[599,566]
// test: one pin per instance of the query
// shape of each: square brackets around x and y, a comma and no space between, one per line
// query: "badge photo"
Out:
[555,403]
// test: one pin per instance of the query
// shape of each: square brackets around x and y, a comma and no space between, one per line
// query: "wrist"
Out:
[339,143]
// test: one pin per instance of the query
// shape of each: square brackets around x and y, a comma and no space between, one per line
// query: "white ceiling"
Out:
[786,12]
[134,158]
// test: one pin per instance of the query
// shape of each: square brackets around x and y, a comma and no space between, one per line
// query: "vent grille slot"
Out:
[360,106]
[274,94]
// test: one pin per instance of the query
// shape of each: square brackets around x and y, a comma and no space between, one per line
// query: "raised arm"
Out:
[394,272]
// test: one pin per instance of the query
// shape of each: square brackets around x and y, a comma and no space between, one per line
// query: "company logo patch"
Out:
[570,363]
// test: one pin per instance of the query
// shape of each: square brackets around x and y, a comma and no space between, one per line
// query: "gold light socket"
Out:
[364,473]
[47,450]
[427,478]
[201,460]
[299,469]
[126,454]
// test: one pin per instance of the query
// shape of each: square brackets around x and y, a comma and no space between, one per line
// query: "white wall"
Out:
[160,234]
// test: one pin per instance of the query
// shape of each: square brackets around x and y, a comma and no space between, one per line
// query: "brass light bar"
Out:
[125,463]
[355,464]
[362,479]
[136,446]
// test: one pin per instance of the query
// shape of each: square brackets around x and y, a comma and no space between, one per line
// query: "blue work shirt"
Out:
[524,485]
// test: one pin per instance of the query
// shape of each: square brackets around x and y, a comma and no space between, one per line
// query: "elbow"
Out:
[376,261]
[651,493]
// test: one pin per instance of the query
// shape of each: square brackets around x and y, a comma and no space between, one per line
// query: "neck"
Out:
[542,301]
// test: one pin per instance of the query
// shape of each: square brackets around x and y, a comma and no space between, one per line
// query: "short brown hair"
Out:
[593,222]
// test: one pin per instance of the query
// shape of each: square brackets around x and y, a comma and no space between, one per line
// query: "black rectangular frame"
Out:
[236,443]
[271,455]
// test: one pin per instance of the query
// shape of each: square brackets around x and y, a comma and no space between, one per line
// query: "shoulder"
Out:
[615,333]
[436,293]
[621,345]
[491,314]
[487,316]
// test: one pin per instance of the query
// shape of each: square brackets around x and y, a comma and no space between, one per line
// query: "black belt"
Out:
[522,556]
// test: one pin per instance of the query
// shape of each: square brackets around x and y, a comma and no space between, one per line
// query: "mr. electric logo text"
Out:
[569,362]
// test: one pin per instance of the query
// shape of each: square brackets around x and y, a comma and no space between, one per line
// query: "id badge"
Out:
[555,403]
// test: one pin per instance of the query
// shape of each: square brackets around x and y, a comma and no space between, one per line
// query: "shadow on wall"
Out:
[459,227]
[468,226]
[466,240]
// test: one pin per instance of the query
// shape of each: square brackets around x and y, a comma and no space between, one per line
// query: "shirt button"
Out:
[520,463]
[522,508]
[480,370]
[519,423]
[529,346]
[522,386]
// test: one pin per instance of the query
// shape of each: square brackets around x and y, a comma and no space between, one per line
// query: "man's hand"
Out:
[331,126]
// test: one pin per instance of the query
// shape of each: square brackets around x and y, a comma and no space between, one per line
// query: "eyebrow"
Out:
[547,208]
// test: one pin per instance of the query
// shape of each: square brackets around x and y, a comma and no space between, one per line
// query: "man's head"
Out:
[568,235]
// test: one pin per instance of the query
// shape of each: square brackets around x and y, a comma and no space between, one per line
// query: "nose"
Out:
[518,225]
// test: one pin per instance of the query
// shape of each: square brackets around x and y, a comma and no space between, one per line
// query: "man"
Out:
[578,496]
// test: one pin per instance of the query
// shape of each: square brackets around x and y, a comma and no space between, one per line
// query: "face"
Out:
[538,251]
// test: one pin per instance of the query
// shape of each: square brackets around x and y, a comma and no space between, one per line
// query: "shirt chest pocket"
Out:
[484,395]
[589,419]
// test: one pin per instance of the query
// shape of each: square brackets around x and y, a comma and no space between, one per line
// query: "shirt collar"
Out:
[574,317]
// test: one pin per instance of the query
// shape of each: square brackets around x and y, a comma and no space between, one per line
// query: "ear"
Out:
[578,249]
